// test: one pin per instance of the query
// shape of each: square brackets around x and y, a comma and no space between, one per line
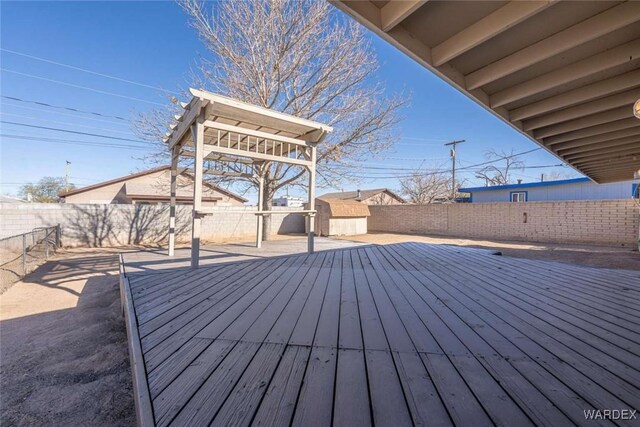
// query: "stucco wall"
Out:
[606,222]
[116,225]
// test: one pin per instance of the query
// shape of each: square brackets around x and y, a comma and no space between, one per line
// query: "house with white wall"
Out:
[566,189]
[150,187]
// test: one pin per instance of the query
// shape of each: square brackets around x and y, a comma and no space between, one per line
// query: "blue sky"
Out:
[151,43]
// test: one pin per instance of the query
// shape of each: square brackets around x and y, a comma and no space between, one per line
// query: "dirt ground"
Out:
[63,345]
[592,256]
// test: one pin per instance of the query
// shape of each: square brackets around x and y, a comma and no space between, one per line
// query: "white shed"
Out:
[341,217]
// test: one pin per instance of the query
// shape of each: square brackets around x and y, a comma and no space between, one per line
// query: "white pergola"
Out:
[223,131]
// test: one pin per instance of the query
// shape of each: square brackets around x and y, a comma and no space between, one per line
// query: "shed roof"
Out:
[345,208]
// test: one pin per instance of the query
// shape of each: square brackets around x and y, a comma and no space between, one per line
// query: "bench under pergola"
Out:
[226,132]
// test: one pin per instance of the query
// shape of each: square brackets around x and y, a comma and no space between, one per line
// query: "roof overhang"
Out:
[564,74]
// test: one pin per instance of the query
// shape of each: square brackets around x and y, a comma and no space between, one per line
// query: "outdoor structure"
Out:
[150,187]
[223,131]
[564,75]
[341,217]
[378,196]
[387,335]
[567,189]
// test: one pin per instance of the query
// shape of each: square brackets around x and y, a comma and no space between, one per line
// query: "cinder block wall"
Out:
[604,222]
[118,225]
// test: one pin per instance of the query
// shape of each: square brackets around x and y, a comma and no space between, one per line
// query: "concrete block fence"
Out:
[602,222]
[118,225]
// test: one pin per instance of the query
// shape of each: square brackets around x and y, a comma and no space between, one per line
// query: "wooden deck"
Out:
[402,334]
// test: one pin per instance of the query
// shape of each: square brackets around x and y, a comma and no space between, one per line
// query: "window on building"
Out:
[519,196]
[635,191]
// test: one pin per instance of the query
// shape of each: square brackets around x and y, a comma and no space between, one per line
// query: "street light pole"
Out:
[453,166]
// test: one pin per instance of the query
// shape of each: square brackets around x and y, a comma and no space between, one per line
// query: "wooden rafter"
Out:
[562,75]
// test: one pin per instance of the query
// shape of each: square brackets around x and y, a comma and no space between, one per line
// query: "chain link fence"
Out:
[23,253]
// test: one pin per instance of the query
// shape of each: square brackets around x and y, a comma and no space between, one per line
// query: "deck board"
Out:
[402,334]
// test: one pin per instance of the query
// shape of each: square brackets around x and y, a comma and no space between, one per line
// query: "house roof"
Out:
[364,194]
[345,208]
[525,185]
[9,199]
[143,173]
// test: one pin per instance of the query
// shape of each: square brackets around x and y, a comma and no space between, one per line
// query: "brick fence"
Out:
[117,225]
[605,222]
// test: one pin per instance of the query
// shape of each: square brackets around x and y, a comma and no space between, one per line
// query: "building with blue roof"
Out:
[566,189]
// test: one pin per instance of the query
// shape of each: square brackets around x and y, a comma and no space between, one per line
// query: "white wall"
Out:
[572,191]
[118,225]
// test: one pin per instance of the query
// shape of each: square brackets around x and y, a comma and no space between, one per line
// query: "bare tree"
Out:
[500,174]
[423,188]
[298,57]
[556,175]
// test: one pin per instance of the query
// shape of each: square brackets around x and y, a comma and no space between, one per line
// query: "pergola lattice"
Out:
[221,130]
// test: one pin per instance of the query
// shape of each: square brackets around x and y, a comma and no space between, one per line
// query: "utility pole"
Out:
[453,166]
[66,175]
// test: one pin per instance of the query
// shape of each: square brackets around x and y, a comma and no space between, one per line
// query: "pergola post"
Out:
[260,218]
[172,200]
[197,131]
[312,200]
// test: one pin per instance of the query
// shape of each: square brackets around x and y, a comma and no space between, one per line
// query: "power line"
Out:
[59,113]
[501,158]
[64,123]
[73,67]
[73,131]
[73,142]
[77,110]
[103,92]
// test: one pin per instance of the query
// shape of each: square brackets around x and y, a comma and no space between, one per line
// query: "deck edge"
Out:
[142,397]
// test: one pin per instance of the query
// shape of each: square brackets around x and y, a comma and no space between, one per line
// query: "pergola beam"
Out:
[607,138]
[597,26]
[195,106]
[209,124]
[394,12]
[488,27]
[209,149]
[587,67]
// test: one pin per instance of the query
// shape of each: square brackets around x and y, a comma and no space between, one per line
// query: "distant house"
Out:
[378,196]
[567,189]
[150,187]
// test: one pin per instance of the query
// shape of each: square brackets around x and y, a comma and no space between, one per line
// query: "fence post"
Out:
[24,254]
[46,244]
[58,236]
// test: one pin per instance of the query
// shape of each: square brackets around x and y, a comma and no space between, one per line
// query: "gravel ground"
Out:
[64,357]
[591,256]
